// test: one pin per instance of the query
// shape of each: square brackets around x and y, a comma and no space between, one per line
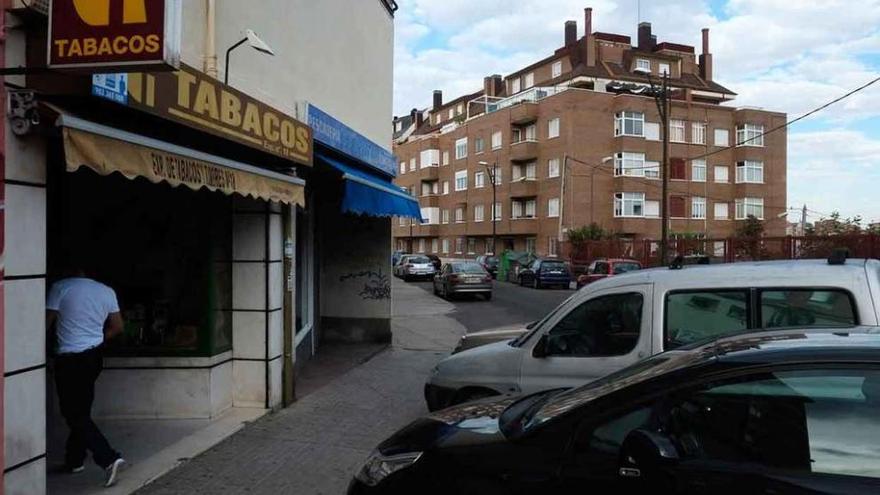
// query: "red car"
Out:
[602,268]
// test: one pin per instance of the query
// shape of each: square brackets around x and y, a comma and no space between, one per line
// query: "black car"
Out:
[489,263]
[791,411]
[435,260]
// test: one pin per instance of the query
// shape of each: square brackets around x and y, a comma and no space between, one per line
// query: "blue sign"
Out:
[333,133]
[113,87]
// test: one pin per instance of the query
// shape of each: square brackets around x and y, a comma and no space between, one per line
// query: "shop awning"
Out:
[106,150]
[371,194]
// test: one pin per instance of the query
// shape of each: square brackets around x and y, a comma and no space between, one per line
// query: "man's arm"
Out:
[113,326]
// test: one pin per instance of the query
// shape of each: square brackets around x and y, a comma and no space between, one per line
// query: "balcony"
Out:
[429,173]
[426,230]
[523,151]
[523,225]
[523,188]
[429,200]
[524,113]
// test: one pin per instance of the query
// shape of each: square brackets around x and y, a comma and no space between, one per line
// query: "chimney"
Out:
[438,99]
[706,58]
[646,41]
[571,33]
[417,117]
[493,85]
[590,42]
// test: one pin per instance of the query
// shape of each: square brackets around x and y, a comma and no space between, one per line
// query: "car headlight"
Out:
[378,466]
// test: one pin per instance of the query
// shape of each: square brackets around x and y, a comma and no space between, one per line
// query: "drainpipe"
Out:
[210,39]
[4,4]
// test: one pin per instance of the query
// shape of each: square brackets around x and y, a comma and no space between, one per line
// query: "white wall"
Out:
[336,54]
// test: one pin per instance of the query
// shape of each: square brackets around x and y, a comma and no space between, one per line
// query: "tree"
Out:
[752,228]
[749,234]
[578,237]
[836,225]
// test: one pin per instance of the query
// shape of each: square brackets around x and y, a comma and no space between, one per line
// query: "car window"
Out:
[603,326]
[699,315]
[625,267]
[813,421]
[806,308]
[419,260]
[553,265]
[601,269]
[471,268]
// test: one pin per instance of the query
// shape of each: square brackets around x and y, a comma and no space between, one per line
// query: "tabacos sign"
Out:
[107,34]
[189,97]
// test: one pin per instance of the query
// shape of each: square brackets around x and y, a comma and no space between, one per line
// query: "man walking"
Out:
[87,315]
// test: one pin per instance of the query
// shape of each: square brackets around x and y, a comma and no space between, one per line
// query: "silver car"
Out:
[414,266]
[464,277]
[620,320]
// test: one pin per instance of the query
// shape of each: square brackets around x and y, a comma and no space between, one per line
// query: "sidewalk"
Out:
[317,444]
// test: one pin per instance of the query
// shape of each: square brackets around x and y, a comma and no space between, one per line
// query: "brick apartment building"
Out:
[576,138]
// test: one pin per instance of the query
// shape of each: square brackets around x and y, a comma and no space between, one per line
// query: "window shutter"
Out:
[677,169]
[677,207]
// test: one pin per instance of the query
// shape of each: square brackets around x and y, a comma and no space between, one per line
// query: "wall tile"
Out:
[249,379]
[25,230]
[29,479]
[25,323]
[248,237]
[24,428]
[249,335]
[248,286]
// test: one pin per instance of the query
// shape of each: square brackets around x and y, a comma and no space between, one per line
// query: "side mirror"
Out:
[540,350]
[644,456]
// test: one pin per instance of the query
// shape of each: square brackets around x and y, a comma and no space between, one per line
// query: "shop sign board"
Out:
[114,34]
[332,133]
[191,98]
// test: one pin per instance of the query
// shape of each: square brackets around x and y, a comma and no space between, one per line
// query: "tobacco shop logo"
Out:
[97,12]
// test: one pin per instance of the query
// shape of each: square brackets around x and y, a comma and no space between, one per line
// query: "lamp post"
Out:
[661,98]
[491,174]
[251,38]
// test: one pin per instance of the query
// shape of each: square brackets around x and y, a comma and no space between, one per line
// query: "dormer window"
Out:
[643,64]
[663,68]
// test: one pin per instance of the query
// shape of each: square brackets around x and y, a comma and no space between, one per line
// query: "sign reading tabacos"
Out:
[191,98]
[107,34]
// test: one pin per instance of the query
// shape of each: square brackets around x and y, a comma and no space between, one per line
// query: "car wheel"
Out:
[536,284]
[436,292]
[522,282]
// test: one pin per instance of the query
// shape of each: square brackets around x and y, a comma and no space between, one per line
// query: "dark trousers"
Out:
[75,376]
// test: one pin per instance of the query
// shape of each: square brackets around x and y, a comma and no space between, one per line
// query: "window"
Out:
[497,175]
[514,86]
[525,171]
[629,204]
[652,170]
[429,158]
[652,131]
[629,124]
[496,140]
[552,246]
[402,167]
[471,245]
[412,164]
[698,170]
[698,132]
[459,245]
[553,128]
[677,207]
[445,158]
[631,164]
[444,216]
[489,245]
[806,308]
[445,246]
[553,207]
[528,80]
[721,174]
[421,245]
[434,245]
[445,187]
[663,68]
[553,167]
[530,132]
[437,118]
[750,135]
[451,113]
[402,221]
[496,211]
[677,169]
[479,180]
[459,214]
[461,180]
[531,245]
[722,137]
[459,109]
[643,64]
[750,172]
[699,315]
[523,208]
[676,131]
[478,213]
[652,209]
[698,207]
[429,188]
[479,144]
[603,326]
[721,211]
[556,69]
[460,148]
[747,207]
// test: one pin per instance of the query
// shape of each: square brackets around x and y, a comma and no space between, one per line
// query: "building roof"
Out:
[405,122]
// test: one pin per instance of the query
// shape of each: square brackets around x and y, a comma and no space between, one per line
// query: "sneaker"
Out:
[112,472]
[76,469]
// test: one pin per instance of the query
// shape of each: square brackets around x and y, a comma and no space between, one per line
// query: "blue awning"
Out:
[371,194]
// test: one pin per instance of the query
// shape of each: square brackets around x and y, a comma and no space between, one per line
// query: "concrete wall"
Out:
[337,54]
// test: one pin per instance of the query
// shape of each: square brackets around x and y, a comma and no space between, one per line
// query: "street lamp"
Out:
[661,98]
[491,174]
[251,38]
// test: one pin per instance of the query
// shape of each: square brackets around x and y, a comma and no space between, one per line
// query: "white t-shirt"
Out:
[83,306]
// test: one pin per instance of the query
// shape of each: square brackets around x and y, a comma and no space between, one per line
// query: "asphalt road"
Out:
[510,305]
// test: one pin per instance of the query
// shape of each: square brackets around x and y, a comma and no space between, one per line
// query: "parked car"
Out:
[489,263]
[466,277]
[395,257]
[618,321]
[414,266]
[435,261]
[794,411]
[604,268]
[545,272]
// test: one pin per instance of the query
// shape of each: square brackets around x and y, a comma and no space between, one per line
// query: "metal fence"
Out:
[727,250]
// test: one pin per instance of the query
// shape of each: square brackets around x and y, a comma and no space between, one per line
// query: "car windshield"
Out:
[491,260]
[468,268]
[553,265]
[626,267]
[418,260]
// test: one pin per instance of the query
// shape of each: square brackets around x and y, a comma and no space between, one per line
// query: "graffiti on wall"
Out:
[376,284]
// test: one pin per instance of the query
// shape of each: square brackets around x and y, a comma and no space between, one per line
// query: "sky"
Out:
[782,55]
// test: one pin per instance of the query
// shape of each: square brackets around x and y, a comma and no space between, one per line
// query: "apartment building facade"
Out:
[576,139]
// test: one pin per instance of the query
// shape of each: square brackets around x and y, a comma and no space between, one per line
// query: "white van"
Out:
[620,320]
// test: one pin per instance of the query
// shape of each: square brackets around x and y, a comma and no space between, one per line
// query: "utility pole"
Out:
[804,220]
[491,174]
[662,101]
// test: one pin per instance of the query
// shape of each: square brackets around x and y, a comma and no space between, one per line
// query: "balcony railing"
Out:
[530,95]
